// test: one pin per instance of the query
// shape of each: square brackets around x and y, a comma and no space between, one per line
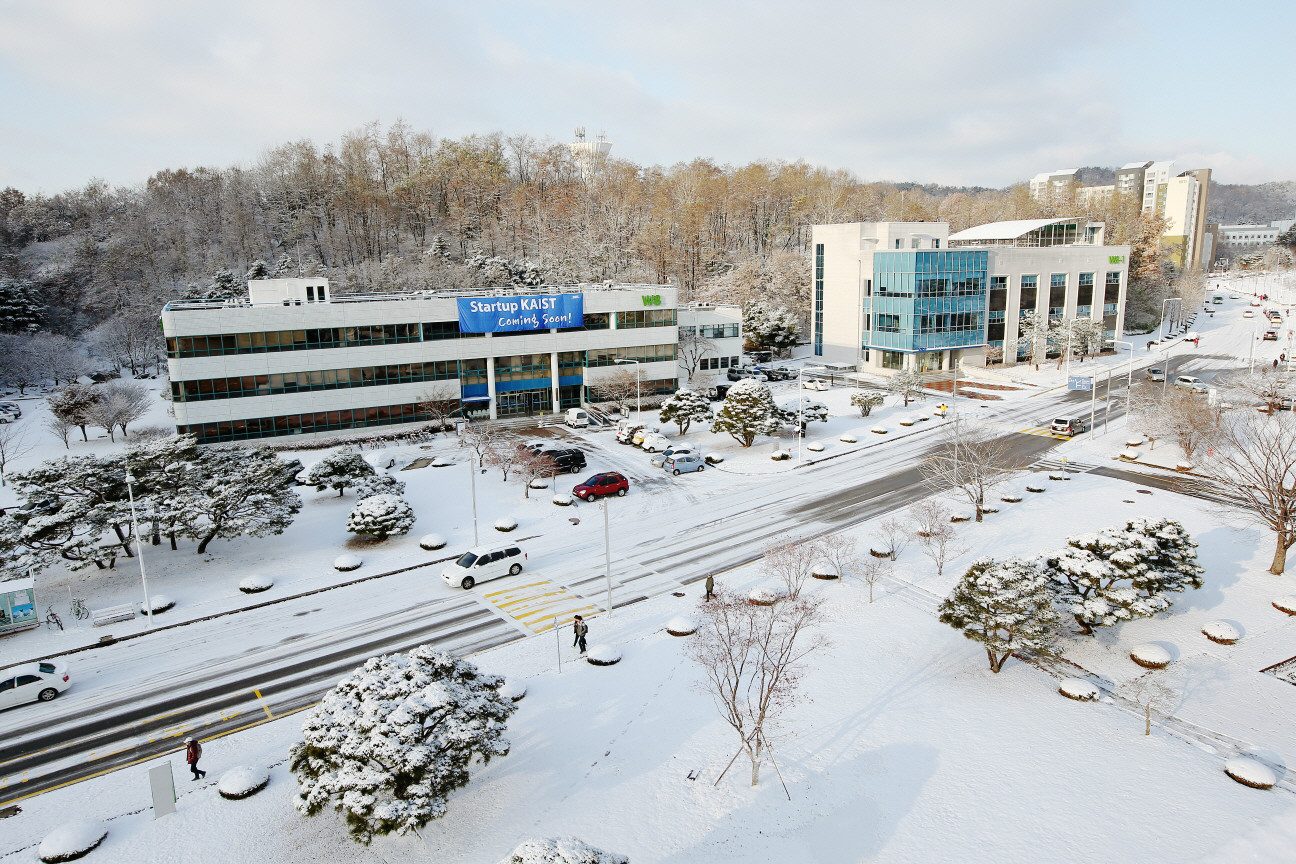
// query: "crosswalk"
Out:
[1064,465]
[538,602]
[1044,432]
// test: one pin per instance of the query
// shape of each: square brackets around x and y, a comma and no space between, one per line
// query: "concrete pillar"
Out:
[554,374]
[490,383]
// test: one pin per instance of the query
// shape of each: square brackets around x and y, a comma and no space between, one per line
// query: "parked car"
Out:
[577,418]
[654,441]
[719,392]
[567,460]
[6,417]
[637,438]
[33,682]
[777,373]
[626,434]
[1270,336]
[1247,313]
[814,384]
[1191,382]
[11,408]
[1156,373]
[607,483]
[1235,296]
[483,563]
[738,374]
[758,357]
[683,463]
[1069,425]
[674,450]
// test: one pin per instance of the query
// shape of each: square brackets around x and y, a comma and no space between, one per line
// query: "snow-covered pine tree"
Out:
[378,484]
[685,407]
[561,850]
[391,741]
[748,410]
[907,384]
[338,471]
[258,270]
[381,516]
[283,268]
[240,491]
[1005,605]
[1118,574]
[21,308]
[770,327]
[167,470]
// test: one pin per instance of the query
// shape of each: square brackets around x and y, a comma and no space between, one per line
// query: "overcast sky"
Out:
[966,92]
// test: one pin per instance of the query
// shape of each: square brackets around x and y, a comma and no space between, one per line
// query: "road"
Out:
[214,677]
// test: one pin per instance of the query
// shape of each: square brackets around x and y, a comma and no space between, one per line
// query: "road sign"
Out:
[1079,382]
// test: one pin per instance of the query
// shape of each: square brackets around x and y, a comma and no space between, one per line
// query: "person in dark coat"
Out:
[581,629]
[710,587]
[193,752]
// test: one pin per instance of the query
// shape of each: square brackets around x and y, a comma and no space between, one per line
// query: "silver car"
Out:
[684,463]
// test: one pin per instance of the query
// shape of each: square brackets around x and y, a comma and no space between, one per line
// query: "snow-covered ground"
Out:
[908,749]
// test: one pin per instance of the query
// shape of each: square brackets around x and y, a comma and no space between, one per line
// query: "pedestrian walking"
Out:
[1150,344]
[1196,342]
[581,629]
[193,752]
[710,587]
[1275,364]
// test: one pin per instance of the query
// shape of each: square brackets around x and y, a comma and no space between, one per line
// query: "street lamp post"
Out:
[607,556]
[139,547]
[638,364]
[1129,382]
[1166,380]
[472,479]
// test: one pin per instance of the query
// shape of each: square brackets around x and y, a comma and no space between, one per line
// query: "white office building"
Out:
[909,295]
[295,359]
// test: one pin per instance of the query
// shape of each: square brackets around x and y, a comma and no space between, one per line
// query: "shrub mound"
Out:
[505,524]
[255,584]
[1131,455]
[562,499]
[681,625]
[243,782]
[1060,475]
[989,508]
[72,840]
[815,447]
[1079,689]
[961,517]
[780,456]
[159,602]
[1221,632]
[879,553]
[347,562]
[824,570]
[539,483]
[879,430]
[1035,487]
[441,462]
[603,655]
[1011,498]
[714,460]
[1150,656]
[847,439]
[431,542]
[1135,442]
[1285,603]
[764,596]
[1183,466]
[512,690]
[1248,772]
[561,850]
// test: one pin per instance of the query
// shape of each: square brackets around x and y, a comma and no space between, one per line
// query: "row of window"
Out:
[297,424]
[322,379]
[712,331]
[708,363]
[640,353]
[269,341]
[817,331]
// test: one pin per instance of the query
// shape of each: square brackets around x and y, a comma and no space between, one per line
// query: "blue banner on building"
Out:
[536,312]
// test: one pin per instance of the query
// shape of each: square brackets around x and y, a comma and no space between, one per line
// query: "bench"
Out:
[110,614]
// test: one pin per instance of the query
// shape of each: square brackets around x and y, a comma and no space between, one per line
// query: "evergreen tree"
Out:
[378,484]
[338,471]
[561,850]
[1123,573]
[748,410]
[381,516]
[685,407]
[240,492]
[258,270]
[283,268]
[21,308]
[168,471]
[769,327]
[1005,605]
[391,741]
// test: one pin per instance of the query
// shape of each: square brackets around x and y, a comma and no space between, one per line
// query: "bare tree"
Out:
[841,551]
[1152,692]
[621,387]
[692,348]
[1254,463]
[128,339]
[1180,415]
[120,403]
[505,453]
[896,533]
[480,439]
[13,445]
[791,560]
[440,402]
[874,570]
[533,466]
[61,427]
[752,659]
[907,384]
[1272,387]
[972,460]
[936,535]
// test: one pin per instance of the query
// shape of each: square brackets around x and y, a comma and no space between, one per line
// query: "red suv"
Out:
[602,484]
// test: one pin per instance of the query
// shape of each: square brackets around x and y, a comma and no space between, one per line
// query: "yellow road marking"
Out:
[559,593]
[261,699]
[516,588]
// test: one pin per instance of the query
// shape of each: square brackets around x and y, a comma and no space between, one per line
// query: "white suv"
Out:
[483,563]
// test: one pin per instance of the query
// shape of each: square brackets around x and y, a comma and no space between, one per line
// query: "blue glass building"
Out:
[925,300]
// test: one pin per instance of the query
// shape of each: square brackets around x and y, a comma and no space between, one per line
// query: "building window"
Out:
[645,318]
[892,360]
[592,321]
[818,300]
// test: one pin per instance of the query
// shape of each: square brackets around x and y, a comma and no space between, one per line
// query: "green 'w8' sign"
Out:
[652,299]
[1115,259]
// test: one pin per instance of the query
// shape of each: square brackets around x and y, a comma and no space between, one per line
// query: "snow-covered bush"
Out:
[562,499]
[1129,454]
[441,462]
[381,516]
[1059,475]
[1136,441]
[338,471]
[780,456]
[1036,486]
[824,570]
[961,516]
[906,421]
[255,583]
[762,596]
[72,840]
[561,850]
[1248,772]
[431,542]
[1005,605]
[681,625]
[847,439]
[392,740]
[1183,466]
[539,483]
[815,447]
[1286,603]
[879,430]
[1150,656]
[713,459]
[243,782]
[684,408]
[866,402]
[603,655]
[512,690]
[1079,689]
[159,602]
[1010,498]
[379,484]
[748,410]
[1221,632]
[347,562]
[505,524]
[989,509]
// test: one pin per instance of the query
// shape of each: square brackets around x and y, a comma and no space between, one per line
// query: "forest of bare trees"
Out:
[394,209]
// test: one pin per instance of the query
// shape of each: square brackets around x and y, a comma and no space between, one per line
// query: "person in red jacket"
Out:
[193,752]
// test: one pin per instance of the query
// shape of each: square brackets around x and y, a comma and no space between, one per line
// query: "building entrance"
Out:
[523,403]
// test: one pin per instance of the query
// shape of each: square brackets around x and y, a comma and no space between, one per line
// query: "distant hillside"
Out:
[1251,205]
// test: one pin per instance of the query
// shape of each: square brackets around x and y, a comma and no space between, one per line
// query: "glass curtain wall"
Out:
[928,300]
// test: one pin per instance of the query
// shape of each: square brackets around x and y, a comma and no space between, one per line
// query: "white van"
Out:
[483,563]
[577,418]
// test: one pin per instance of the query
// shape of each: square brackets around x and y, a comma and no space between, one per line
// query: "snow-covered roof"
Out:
[17,585]
[1010,230]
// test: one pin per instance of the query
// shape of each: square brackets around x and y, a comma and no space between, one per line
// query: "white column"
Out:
[490,380]
[554,373]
